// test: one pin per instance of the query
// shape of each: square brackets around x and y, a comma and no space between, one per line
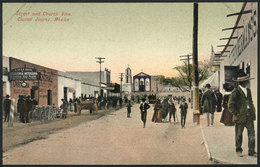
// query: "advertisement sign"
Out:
[24,74]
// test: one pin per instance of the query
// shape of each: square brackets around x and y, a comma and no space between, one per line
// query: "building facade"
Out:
[142,82]
[33,80]
[240,52]
[90,85]
[69,87]
[128,85]
[156,85]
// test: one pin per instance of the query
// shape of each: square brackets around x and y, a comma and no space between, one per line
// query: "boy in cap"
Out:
[241,106]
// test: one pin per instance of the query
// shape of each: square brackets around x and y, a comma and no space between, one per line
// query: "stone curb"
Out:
[214,159]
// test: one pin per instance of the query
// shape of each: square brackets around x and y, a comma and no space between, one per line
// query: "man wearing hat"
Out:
[241,106]
[208,102]
[183,107]
[144,106]
[7,107]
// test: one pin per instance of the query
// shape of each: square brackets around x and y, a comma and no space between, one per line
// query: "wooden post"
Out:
[196,111]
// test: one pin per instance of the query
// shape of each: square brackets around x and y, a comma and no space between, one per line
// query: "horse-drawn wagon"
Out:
[89,104]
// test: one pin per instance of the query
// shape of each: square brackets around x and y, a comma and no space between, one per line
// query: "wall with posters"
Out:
[45,89]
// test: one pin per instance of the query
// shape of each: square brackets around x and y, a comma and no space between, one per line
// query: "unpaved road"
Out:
[116,139]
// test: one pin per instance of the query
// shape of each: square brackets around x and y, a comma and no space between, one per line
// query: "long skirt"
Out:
[159,116]
[227,118]
[155,116]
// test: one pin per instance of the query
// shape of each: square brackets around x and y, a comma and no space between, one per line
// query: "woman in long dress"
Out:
[157,116]
[227,117]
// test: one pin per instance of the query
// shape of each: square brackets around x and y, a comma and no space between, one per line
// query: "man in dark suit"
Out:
[7,107]
[172,109]
[183,107]
[144,106]
[208,102]
[241,106]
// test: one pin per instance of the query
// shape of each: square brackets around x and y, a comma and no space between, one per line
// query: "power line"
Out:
[100,62]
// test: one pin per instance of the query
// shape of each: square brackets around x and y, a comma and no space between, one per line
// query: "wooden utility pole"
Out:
[196,111]
[189,72]
[100,62]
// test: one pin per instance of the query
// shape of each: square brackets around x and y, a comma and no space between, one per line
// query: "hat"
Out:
[228,87]
[242,76]
[207,86]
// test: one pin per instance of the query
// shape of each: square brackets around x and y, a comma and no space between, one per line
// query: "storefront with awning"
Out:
[213,80]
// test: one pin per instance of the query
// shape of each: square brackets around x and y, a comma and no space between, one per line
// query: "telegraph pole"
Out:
[196,111]
[100,62]
[189,73]
[121,80]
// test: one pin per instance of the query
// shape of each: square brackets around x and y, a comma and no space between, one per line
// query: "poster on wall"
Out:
[129,83]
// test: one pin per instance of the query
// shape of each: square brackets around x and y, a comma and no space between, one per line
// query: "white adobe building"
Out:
[69,86]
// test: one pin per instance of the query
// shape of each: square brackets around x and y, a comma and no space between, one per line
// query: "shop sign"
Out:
[24,74]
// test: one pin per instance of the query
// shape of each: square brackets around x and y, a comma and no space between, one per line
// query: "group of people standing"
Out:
[238,110]
[160,107]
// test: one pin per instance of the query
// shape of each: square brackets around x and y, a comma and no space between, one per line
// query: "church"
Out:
[142,82]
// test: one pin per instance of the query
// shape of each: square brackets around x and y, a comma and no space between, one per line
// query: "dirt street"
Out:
[116,139]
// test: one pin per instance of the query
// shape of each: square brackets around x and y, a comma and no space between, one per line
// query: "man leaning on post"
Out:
[241,105]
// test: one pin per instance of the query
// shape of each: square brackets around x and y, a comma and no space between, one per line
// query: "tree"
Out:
[184,79]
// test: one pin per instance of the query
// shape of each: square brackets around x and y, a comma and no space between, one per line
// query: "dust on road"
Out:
[116,139]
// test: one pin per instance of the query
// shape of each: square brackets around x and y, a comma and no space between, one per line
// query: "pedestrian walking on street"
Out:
[144,106]
[7,107]
[64,107]
[241,105]
[165,108]
[129,105]
[227,116]
[172,109]
[183,107]
[157,115]
[219,100]
[200,106]
[209,102]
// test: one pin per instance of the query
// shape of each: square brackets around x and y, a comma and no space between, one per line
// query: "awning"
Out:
[212,80]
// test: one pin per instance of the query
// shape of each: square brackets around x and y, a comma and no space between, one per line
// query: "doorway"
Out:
[65,90]
[32,93]
[49,99]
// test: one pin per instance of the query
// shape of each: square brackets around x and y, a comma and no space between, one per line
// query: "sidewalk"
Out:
[220,142]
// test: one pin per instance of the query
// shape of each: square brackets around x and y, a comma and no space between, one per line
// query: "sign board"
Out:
[24,74]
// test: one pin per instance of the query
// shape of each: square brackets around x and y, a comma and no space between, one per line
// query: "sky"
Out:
[150,37]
